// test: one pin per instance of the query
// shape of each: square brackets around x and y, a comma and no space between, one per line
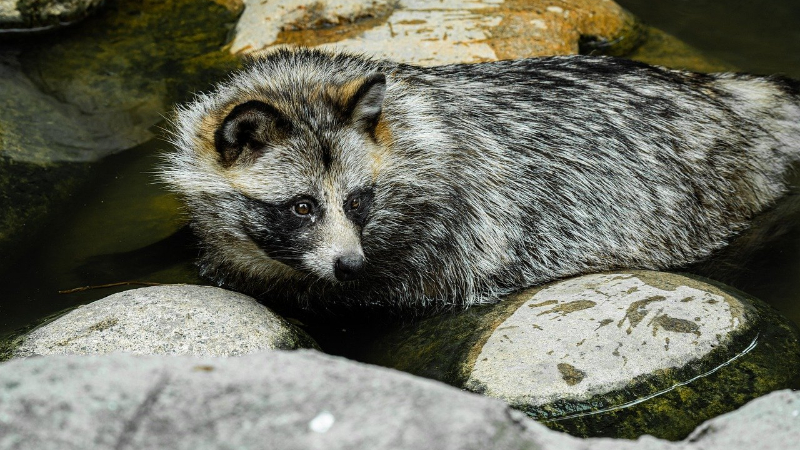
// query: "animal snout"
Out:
[348,267]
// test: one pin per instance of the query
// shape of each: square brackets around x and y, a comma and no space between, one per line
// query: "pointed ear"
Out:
[366,104]
[247,129]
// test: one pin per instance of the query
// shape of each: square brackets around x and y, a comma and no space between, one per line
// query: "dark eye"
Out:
[302,208]
[355,203]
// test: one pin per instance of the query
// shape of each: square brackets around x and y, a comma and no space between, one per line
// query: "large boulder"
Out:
[271,400]
[166,320]
[608,354]
[301,400]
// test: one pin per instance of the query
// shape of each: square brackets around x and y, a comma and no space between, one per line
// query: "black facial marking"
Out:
[358,204]
[278,229]
[364,108]
[247,129]
[326,156]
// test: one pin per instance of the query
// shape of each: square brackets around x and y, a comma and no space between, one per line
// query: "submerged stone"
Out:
[618,355]
[166,320]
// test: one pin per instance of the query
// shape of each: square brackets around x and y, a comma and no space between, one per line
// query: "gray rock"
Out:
[302,400]
[271,400]
[769,422]
[166,320]
[38,14]
[600,332]
[608,354]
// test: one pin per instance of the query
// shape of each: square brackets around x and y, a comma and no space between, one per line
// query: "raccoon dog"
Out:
[327,178]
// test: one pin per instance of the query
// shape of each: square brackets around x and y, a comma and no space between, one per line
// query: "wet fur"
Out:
[484,178]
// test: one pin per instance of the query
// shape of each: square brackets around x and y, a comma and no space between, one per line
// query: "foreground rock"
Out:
[447,31]
[608,355]
[21,15]
[272,400]
[301,400]
[166,320]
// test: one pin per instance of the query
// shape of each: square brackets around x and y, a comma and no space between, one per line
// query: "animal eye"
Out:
[302,208]
[355,203]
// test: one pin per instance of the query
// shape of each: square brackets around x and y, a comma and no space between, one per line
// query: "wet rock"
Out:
[171,320]
[121,72]
[97,90]
[609,354]
[448,31]
[22,15]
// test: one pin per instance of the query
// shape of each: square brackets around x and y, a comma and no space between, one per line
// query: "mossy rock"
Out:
[77,96]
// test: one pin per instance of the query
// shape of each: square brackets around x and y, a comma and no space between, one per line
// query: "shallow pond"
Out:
[116,224]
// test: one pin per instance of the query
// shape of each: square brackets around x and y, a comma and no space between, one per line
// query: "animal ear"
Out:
[366,104]
[247,129]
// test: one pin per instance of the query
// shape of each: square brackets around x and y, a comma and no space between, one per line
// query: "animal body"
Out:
[326,178]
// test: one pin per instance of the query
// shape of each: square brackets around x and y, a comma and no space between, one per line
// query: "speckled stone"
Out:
[608,354]
[441,32]
[596,333]
[166,320]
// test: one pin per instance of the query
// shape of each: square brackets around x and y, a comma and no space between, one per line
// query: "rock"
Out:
[25,15]
[270,400]
[447,31]
[609,354]
[301,400]
[166,320]
[768,422]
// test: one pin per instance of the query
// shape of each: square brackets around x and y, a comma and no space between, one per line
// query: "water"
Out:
[757,37]
[119,226]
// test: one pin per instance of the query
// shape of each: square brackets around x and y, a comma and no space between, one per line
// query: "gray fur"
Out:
[488,177]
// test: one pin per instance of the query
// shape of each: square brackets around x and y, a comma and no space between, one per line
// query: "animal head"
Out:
[278,165]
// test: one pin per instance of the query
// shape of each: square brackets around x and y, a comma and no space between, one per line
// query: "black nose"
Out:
[348,267]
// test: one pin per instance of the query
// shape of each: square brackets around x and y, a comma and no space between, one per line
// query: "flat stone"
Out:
[38,14]
[166,320]
[608,354]
[599,331]
[442,32]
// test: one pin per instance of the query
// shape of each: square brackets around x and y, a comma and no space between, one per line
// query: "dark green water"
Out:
[756,36]
[116,227]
